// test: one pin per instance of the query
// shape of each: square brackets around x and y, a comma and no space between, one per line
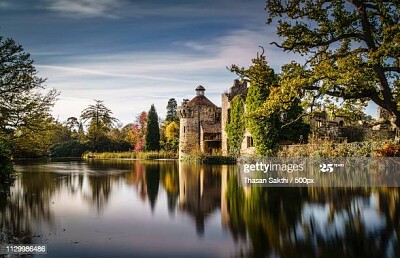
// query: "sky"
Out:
[134,53]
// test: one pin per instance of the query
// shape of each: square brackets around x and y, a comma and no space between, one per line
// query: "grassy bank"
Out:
[332,149]
[131,155]
[205,159]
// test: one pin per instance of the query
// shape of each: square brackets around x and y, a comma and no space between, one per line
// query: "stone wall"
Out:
[224,120]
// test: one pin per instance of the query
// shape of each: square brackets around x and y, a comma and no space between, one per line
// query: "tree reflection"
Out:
[170,182]
[27,204]
[152,183]
[315,222]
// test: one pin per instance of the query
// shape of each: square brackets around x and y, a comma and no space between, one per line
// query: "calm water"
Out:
[168,209]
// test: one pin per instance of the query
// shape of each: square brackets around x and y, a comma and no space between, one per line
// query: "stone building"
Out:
[238,88]
[325,128]
[200,125]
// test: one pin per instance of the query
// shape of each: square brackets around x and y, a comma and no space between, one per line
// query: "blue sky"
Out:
[133,53]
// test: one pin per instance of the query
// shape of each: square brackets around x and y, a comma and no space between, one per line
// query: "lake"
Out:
[127,208]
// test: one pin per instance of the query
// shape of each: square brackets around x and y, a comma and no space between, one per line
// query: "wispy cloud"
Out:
[177,9]
[87,71]
[146,77]
[85,8]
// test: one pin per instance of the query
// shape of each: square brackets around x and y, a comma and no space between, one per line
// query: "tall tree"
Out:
[24,107]
[153,131]
[172,114]
[351,50]
[100,119]
[22,100]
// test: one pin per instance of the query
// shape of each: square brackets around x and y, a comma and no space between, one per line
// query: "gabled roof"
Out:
[200,100]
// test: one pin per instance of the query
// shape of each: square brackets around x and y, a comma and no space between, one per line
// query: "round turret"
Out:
[200,90]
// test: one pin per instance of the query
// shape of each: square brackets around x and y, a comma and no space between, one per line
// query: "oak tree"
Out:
[351,51]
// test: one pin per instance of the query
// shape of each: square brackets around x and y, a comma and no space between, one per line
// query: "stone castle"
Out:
[202,123]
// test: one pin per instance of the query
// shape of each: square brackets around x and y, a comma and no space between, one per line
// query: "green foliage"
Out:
[209,159]
[132,155]
[6,167]
[34,144]
[236,127]
[23,104]
[263,128]
[172,114]
[104,143]
[72,148]
[100,120]
[153,131]
[351,51]
[334,149]
[293,128]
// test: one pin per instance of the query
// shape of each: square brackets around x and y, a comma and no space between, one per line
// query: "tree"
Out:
[172,131]
[172,114]
[22,101]
[153,131]
[263,128]
[73,124]
[293,128]
[100,120]
[172,136]
[137,134]
[351,50]
[24,107]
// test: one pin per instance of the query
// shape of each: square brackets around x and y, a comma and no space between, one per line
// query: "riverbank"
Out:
[131,155]
[205,159]
[202,159]
[343,149]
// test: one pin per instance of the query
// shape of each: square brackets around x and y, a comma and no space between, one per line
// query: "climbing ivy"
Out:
[236,126]
[263,128]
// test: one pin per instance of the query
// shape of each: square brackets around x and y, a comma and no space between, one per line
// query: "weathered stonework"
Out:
[200,125]
[238,88]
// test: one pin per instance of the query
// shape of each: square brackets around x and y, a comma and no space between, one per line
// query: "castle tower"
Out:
[188,136]
[200,125]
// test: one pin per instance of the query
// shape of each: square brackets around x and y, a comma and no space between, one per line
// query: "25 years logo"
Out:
[328,168]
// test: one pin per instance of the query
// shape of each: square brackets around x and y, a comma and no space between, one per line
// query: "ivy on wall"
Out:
[236,126]
[263,128]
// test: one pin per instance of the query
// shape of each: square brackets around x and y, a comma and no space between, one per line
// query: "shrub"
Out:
[389,150]
[6,167]
[209,159]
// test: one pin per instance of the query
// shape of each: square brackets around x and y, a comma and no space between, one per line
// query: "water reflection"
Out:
[261,222]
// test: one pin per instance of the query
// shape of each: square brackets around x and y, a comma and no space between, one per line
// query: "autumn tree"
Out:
[153,131]
[137,134]
[172,136]
[351,51]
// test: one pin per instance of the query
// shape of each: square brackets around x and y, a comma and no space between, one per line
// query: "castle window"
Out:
[229,115]
[250,142]
[184,129]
